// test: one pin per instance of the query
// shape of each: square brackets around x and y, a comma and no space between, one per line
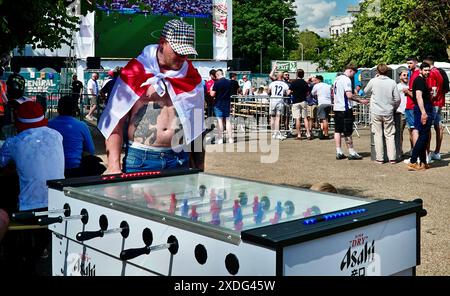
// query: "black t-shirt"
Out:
[222,87]
[234,87]
[77,86]
[421,84]
[300,90]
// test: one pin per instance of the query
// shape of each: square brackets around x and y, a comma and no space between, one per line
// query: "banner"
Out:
[222,25]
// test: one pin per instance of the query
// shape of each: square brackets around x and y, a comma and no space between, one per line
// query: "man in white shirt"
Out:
[37,152]
[402,87]
[323,93]
[247,87]
[92,93]
[343,112]
[277,90]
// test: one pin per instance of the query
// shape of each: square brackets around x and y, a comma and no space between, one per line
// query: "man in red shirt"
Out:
[435,83]
[413,73]
[208,99]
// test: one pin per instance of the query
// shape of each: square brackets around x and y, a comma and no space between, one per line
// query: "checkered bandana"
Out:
[180,36]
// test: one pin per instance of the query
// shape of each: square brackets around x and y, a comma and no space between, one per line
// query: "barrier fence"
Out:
[247,112]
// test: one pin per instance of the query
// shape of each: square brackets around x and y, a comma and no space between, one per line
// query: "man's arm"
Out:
[114,148]
[272,73]
[350,96]
[397,98]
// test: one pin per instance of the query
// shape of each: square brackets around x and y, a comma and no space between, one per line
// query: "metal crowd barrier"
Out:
[253,113]
[50,103]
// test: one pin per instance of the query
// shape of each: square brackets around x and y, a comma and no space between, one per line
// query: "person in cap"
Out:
[15,89]
[37,153]
[158,100]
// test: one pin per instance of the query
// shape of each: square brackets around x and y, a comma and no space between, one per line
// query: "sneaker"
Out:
[379,161]
[340,156]
[220,141]
[355,156]
[274,135]
[429,159]
[426,166]
[435,156]
[231,140]
[415,167]
[407,161]
[280,137]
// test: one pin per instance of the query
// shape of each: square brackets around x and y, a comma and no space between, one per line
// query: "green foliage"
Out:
[259,25]
[44,23]
[436,14]
[311,46]
[387,36]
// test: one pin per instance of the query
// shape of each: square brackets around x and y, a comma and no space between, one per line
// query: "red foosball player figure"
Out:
[150,199]
[173,204]
[194,214]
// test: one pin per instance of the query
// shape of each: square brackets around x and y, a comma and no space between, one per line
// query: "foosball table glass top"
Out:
[221,202]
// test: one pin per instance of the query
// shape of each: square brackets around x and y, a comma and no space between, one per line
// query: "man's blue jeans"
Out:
[142,160]
[419,150]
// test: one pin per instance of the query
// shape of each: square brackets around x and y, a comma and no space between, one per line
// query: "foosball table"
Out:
[193,223]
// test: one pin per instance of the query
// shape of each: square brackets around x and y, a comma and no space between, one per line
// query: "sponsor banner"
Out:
[222,27]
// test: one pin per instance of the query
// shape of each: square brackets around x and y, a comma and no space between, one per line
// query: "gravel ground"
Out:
[303,163]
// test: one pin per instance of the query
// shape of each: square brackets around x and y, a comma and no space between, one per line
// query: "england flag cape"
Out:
[183,86]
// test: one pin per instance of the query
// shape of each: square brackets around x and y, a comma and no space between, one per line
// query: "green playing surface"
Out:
[125,35]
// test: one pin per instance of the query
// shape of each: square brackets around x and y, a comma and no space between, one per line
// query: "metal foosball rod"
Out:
[84,217]
[103,221]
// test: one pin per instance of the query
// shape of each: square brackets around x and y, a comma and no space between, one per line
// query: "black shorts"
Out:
[343,122]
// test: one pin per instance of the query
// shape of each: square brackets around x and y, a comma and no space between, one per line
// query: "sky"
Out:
[314,15]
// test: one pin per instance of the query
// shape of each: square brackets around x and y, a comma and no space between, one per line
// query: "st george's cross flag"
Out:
[184,87]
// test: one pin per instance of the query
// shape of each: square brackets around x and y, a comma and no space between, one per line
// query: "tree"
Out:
[309,42]
[257,25]
[44,23]
[387,36]
[436,15]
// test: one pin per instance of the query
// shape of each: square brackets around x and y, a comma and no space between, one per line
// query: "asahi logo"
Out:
[360,253]
[81,265]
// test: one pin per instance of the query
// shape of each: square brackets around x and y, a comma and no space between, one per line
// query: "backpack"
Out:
[445,86]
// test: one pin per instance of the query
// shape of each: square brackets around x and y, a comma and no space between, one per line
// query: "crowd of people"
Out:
[165,7]
[155,109]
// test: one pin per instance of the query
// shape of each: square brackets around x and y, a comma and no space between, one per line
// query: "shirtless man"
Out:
[151,94]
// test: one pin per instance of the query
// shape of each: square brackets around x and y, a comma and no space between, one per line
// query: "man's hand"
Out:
[364,101]
[424,118]
[151,94]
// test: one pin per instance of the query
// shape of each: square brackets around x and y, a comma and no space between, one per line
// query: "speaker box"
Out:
[93,63]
